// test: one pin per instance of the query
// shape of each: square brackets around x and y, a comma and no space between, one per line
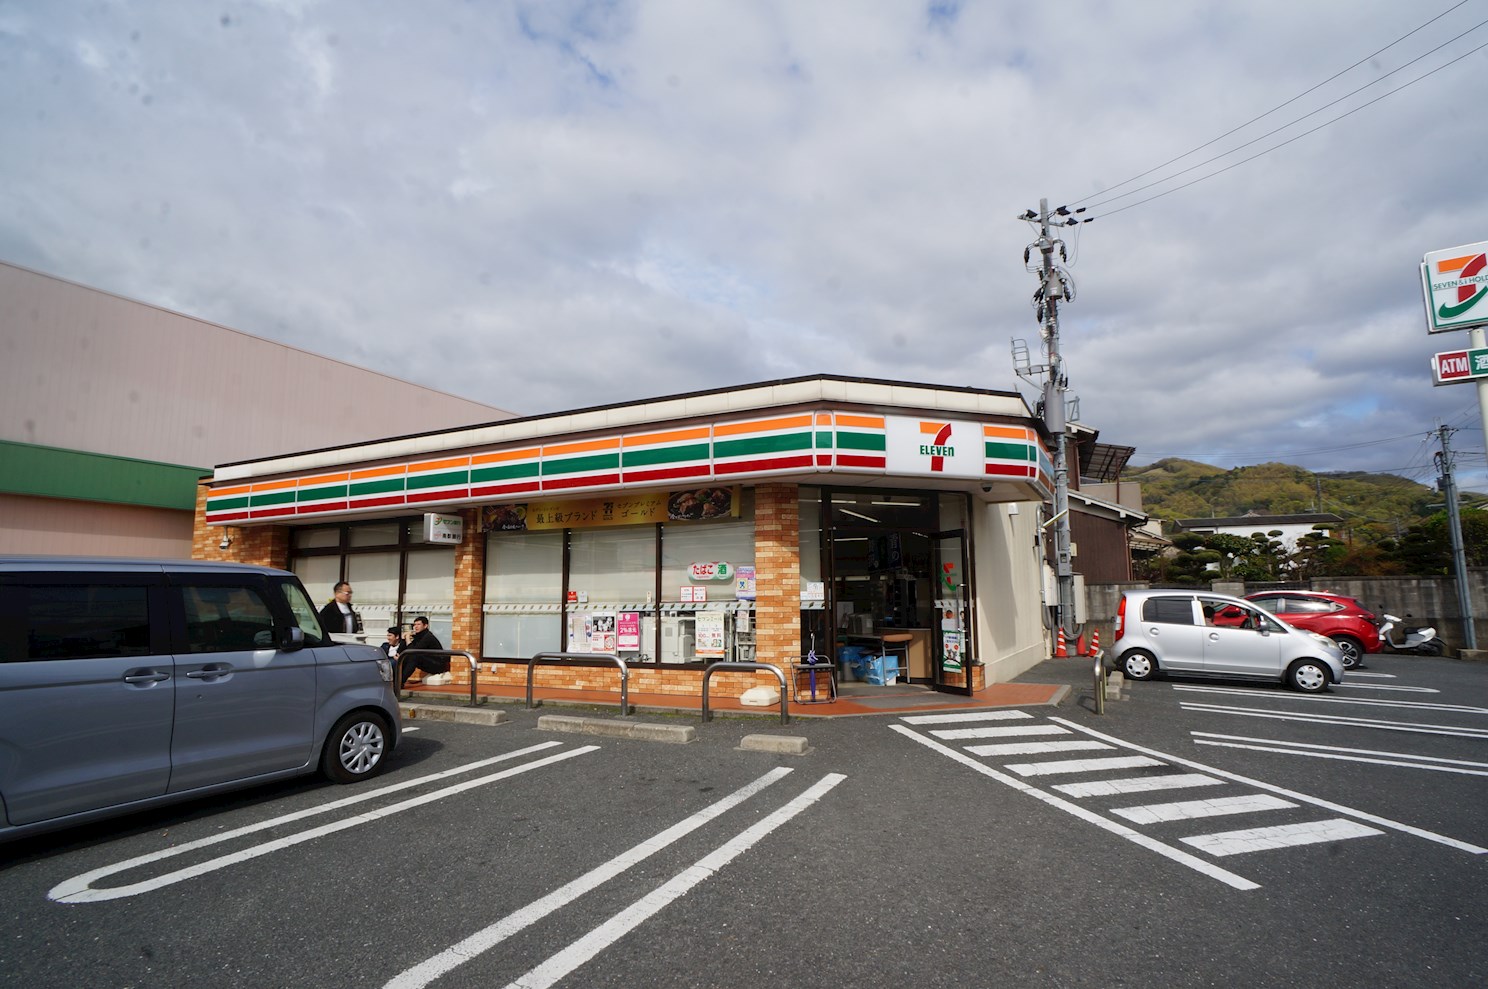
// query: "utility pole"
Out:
[1055,286]
[1448,487]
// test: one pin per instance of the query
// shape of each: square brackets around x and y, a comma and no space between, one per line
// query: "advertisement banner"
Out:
[642,508]
[709,635]
[628,631]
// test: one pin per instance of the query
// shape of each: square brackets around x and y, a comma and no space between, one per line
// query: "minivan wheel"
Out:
[355,747]
[1308,676]
[1139,665]
[1352,649]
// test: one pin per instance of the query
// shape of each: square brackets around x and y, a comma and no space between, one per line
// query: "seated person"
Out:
[394,643]
[422,638]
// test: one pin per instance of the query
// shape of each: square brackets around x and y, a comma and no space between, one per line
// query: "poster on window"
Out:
[602,632]
[950,644]
[709,635]
[628,631]
[579,628]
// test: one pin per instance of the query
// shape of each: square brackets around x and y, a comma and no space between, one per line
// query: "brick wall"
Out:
[777,574]
[681,682]
[470,587]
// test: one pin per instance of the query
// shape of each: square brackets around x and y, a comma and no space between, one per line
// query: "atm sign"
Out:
[1460,365]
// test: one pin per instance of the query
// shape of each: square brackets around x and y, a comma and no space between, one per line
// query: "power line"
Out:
[1279,106]
[1297,120]
[1283,144]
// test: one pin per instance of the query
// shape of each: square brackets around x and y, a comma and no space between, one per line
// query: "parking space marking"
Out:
[1254,694]
[1356,672]
[1383,822]
[1034,748]
[1388,686]
[1082,765]
[1114,827]
[1458,731]
[1404,760]
[1136,784]
[998,732]
[79,889]
[1188,810]
[487,938]
[951,719]
[565,961]
[1281,836]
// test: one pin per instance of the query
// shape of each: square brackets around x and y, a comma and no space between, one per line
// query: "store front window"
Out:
[524,593]
[394,572]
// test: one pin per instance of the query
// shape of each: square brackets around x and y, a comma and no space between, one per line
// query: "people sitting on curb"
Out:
[422,638]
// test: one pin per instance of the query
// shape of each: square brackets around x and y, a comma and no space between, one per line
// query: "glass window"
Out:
[226,618]
[431,579]
[1168,610]
[684,545]
[810,548]
[85,621]
[524,568]
[374,580]
[320,537]
[305,615]
[520,636]
[319,575]
[380,534]
[952,512]
[615,566]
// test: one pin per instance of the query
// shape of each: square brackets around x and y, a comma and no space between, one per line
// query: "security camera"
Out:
[226,542]
[986,487]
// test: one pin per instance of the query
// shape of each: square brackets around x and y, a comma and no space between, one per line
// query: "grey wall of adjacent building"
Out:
[1428,600]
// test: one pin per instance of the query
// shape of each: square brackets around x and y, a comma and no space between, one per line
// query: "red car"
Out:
[1342,619]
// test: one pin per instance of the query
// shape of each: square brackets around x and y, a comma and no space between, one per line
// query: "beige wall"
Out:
[52,527]
[1011,637]
[84,370]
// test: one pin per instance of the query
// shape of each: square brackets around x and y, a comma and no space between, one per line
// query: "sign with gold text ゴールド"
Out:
[704,504]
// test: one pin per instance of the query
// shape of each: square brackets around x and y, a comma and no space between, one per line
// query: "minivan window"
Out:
[305,615]
[1168,611]
[226,618]
[84,621]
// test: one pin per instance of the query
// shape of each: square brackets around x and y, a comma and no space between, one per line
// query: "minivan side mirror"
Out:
[293,639]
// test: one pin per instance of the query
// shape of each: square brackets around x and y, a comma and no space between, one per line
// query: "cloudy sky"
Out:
[551,205]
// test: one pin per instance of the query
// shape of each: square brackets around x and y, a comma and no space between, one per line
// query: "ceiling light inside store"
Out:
[859,515]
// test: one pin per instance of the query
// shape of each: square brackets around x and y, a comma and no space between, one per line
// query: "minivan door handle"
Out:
[220,670]
[152,677]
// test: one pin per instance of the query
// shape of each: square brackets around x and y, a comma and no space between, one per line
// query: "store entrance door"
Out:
[950,652]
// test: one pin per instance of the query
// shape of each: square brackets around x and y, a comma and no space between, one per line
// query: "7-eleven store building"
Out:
[761,522]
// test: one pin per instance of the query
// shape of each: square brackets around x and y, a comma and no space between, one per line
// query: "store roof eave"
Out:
[650,413]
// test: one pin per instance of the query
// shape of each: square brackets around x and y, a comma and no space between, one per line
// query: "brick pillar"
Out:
[264,545]
[470,587]
[777,574]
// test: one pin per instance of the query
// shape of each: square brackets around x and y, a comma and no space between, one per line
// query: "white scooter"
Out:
[1420,641]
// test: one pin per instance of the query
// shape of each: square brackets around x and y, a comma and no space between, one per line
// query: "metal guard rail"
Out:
[451,653]
[559,657]
[1100,681]
[714,667]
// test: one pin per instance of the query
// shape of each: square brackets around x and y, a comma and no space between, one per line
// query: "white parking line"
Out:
[1034,748]
[1376,676]
[1457,731]
[1190,809]
[1314,699]
[1082,765]
[1136,784]
[1336,748]
[1114,827]
[951,719]
[1280,836]
[1316,802]
[561,964]
[79,889]
[998,732]
[1284,748]
[1386,686]
[487,938]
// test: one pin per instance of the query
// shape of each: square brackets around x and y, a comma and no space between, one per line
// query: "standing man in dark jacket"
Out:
[337,615]
[423,639]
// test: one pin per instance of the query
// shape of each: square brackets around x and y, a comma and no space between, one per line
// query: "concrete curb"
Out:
[671,734]
[446,712]
[775,744]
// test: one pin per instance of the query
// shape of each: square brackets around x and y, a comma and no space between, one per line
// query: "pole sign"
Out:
[1455,283]
[443,528]
[1454,366]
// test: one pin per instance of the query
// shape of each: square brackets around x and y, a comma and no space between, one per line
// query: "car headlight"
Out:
[1324,639]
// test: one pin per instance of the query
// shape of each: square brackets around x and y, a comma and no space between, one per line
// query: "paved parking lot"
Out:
[1240,834]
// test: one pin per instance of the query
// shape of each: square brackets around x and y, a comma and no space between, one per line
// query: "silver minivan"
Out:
[1198,632]
[129,683]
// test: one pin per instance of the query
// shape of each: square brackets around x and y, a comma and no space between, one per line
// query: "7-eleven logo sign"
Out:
[939,446]
[1456,284]
[919,445]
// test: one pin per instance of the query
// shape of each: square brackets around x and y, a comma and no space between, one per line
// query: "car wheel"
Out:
[1139,665]
[1307,675]
[355,748]
[1352,649]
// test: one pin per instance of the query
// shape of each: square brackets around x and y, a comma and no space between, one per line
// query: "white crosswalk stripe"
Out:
[1136,784]
[1034,748]
[1191,809]
[999,732]
[1082,765]
[1280,836]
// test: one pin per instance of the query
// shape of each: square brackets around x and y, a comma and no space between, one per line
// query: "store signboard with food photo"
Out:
[642,508]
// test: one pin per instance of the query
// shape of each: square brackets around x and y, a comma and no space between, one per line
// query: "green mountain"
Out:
[1374,506]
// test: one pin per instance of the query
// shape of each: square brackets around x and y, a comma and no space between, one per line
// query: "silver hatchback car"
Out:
[1197,632]
[129,683]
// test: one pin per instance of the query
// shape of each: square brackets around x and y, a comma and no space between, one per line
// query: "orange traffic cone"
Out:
[1059,649]
[1080,644]
[1094,642]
